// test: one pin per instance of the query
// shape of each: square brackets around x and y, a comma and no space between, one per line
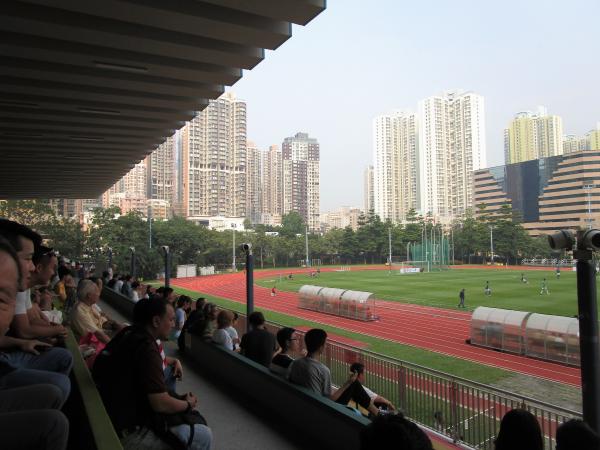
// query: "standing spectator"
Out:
[273,291]
[576,435]
[170,296]
[289,343]
[130,378]
[220,335]
[519,430]
[258,344]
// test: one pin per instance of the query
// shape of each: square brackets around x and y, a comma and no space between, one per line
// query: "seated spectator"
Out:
[136,291]
[183,305]
[86,319]
[129,375]
[47,307]
[258,344]
[208,324]
[233,334]
[105,277]
[394,428]
[170,296]
[289,343]
[149,291]
[119,283]
[65,280]
[576,435]
[220,335]
[377,400]
[519,430]
[126,289]
[21,363]
[311,373]
[196,316]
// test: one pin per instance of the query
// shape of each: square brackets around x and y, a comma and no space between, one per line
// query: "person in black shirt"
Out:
[289,343]
[258,344]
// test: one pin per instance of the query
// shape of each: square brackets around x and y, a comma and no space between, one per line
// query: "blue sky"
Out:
[359,59]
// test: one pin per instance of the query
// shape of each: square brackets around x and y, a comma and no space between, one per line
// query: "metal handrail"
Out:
[468,412]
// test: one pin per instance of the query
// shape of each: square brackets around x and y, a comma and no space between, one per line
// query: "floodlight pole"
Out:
[588,333]
[492,242]
[306,245]
[249,284]
[390,249]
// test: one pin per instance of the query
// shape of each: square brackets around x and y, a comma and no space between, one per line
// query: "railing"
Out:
[549,262]
[466,412]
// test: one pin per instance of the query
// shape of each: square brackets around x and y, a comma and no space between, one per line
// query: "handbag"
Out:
[163,423]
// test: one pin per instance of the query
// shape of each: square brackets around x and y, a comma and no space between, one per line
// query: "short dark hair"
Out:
[182,300]
[167,291]
[256,319]
[135,285]
[393,428]
[284,335]
[11,231]
[105,274]
[357,367]
[576,435]
[62,271]
[145,310]
[314,339]
[519,430]
[42,252]
[7,248]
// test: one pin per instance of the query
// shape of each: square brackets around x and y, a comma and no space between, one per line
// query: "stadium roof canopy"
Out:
[88,88]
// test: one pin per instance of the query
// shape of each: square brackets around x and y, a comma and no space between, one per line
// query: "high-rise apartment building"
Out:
[369,194]
[301,178]
[533,136]
[214,160]
[134,182]
[254,182]
[451,146]
[271,185]
[590,141]
[129,193]
[395,170]
[160,172]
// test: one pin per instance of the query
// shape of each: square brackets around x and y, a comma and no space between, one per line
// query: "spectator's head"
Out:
[63,271]
[519,430]
[88,292]
[156,316]
[256,319]
[286,338]
[10,268]
[135,285]
[169,294]
[386,429]
[210,311]
[224,318]
[200,302]
[45,262]
[236,316]
[359,369]
[24,240]
[128,278]
[105,274]
[576,435]
[183,301]
[315,340]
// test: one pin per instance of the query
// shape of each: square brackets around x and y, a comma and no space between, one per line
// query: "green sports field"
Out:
[440,289]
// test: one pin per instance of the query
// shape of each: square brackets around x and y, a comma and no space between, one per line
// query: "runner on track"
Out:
[273,291]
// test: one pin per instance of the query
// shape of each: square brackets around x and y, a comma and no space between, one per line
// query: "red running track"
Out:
[440,330]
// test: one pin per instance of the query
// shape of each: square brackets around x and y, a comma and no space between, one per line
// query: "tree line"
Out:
[279,246]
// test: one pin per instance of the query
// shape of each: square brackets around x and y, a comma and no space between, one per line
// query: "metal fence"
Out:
[467,412]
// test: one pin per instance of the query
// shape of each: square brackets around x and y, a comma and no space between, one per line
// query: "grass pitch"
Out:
[441,289]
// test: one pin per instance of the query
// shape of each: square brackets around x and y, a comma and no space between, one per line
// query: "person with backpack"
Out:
[130,378]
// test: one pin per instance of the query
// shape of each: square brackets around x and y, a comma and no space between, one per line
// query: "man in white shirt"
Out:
[27,366]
